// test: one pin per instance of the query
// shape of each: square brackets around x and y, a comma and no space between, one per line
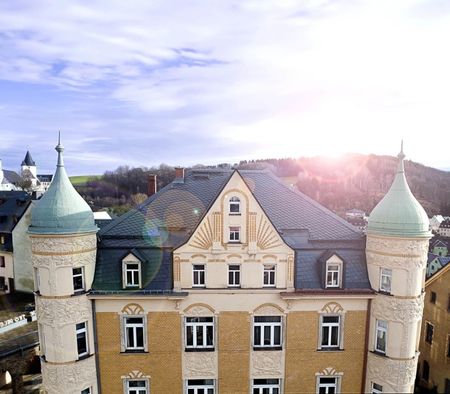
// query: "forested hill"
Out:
[352,181]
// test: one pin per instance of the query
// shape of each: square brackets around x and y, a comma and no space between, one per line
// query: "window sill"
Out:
[234,243]
[378,353]
[206,349]
[386,293]
[79,292]
[83,357]
[330,349]
[269,349]
[135,352]
[234,286]
[235,214]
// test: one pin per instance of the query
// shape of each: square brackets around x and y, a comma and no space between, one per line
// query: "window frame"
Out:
[232,273]
[235,201]
[89,390]
[83,284]
[124,333]
[194,271]
[389,275]
[236,230]
[376,390]
[125,270]
[448,346]
[425,362]
[338,285]
[198,386]
[336,384]
[127,388]
[270,268]
[378,328]
[195,347]
[433,297]
[272,326]
[84,331]
[2,262]
[340,330]
[429,338]
[261,386]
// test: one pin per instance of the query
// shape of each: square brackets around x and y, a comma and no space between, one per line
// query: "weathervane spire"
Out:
[401,156]
[60,149]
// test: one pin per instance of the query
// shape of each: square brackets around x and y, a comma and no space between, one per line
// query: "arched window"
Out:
[235,205]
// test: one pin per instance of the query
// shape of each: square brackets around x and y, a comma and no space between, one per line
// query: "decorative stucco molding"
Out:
[63,311]
[399,374]
[329,371]
[332,307]
[266,236]
[203,237]
[398,309]
[69,378]
[135,375]
[270,364]
[133,309]
[65,244]
[199,310]
[68,260]
[387,261]
[200,364]
[398,247]
[268,309]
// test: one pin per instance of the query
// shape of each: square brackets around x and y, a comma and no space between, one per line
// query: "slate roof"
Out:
[10,177]
[438,263]
[167,219]
[28,160]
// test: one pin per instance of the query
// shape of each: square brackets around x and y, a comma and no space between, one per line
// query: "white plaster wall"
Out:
[8,270]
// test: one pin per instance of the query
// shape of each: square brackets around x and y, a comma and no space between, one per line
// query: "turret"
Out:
[28,164]
[63,238]
[397,244]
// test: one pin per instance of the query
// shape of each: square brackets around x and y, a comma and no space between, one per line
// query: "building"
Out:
[440,246]
[434,363]
[444,228]
[435,222]
[228,281]
[8,179]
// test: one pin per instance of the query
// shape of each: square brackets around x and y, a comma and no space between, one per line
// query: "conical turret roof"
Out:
[399,213]
[28,160]
[61,210]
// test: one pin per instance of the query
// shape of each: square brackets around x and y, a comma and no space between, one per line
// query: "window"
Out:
[132,274]
[448,345]
[78,279]
[37,280]
[328,385]
[137,387]
[333,275]
[385,280]
[381,336]
[433,297]
[377,388]
[330,331]
[199,333]
[429,330]
[235,234]
[198,273]
[426,371]
[134,333]
[267,332]
[200,386]
[235,205]
[269,276]
[2,261]
[82,340]
[234,275]
[86,391]
[448,304]
[266,386]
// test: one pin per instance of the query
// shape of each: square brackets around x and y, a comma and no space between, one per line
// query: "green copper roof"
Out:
[399,213]
[61,210]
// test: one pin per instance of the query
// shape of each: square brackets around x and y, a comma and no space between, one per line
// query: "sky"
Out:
[186,82]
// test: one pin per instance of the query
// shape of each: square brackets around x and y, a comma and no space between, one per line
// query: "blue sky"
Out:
[187,82]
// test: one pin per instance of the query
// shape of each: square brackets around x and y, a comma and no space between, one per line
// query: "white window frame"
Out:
[134,390]
[271,326]
[380,328]
[236,201]
[236,237]
[197,387]
[271,386]
[336,278]
[376,390]
[336,385]
[125,271]
[87,390]
[234,273]
[271,270]
[386,273]
[330,326]
[196,326]
[37,280]
[86,338]
[83,286]
[134,326]
[198,271]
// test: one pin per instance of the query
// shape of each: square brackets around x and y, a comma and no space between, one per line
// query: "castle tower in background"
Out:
[63,237]
[28,164]
[397,245]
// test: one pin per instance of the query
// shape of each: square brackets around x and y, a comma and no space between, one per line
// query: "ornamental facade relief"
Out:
[64,244]
[67,260]
[270,364]
[200,364]
[388,261]
[401,247]
[63,311]
[69,378]
[398,309]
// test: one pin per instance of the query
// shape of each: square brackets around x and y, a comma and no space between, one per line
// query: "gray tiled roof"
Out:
[11,176]
[168,218]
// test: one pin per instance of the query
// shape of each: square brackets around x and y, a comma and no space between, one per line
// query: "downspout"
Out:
[97,361]
[366,345]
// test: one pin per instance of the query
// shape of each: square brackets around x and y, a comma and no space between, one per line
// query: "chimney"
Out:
[179,175]
[152,185]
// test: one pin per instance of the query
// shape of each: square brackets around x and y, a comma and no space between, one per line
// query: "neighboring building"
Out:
[8,179]
[435,222]
[357,218]
[14,210]
[440,246]
[228,281]
[355,213]
[444,228]
[434,363]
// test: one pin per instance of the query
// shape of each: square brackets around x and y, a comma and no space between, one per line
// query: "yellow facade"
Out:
[436,313]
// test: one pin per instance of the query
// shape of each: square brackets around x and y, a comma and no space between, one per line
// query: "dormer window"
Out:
[333,274]
[132,274]
[235,205]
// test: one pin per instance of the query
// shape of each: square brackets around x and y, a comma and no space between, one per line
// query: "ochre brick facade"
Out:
[303,360]
[234,352]
[162,363]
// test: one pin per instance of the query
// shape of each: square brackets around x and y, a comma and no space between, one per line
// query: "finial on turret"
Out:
[401,156]
[60,149]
